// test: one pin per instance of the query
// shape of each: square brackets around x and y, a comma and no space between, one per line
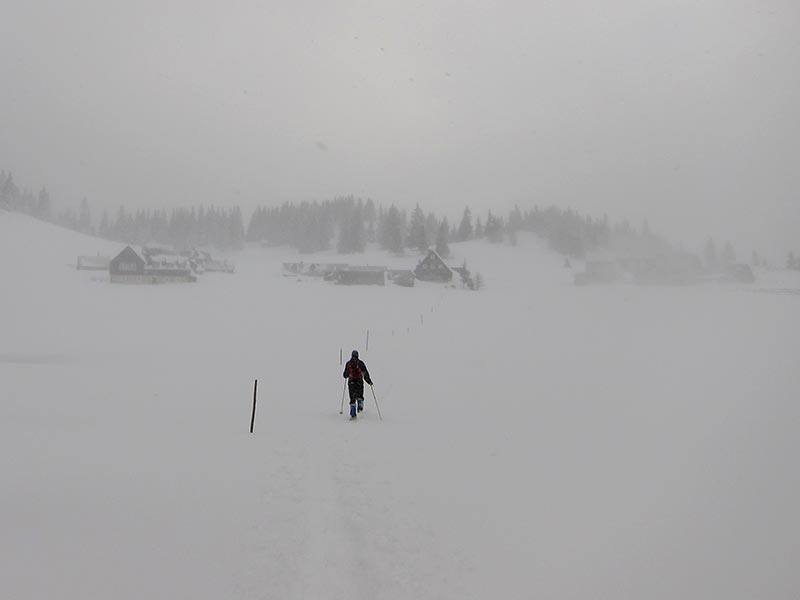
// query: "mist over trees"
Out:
[182,228]
[311,227]
[347,224]
[417,236]
[23,200]
[314,226]
[442,238]
[391,228]
[222,228]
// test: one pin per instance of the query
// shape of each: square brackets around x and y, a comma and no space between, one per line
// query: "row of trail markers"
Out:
[341,359]
[366,343]
[341,362]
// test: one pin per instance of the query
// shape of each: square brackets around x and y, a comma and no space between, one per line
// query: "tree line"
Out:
[347,224]
[222,228]
[181,228]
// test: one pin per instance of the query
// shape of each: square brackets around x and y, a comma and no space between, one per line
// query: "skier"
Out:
[355,371]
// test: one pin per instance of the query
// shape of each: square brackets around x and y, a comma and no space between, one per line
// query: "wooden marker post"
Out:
[253,418]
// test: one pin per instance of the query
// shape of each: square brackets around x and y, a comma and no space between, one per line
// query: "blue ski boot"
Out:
[352,411]
[360,404]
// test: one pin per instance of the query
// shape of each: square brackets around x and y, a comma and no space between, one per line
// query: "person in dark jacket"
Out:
[355,371]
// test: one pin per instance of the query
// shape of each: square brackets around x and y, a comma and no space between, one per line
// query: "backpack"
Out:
[354,370]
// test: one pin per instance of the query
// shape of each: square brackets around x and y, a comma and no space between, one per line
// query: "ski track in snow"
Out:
[328,568]
[341,530]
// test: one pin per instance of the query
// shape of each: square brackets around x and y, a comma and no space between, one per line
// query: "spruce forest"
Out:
[344,224]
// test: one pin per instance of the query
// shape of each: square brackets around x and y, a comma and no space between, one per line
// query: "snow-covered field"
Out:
[539,440]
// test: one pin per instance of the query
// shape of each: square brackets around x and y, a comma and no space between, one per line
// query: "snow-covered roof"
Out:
[168,259]
[94,261]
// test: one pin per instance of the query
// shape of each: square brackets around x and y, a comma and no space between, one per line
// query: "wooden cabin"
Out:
[127,267]
[131,266]
[433,268]
[360,276]
[312,269]
[673,269]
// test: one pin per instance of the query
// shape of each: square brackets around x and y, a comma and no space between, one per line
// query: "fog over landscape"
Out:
[371,300]
[684,113]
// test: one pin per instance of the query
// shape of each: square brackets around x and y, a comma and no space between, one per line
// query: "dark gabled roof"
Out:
[433,257]
[433,260]
[132,252]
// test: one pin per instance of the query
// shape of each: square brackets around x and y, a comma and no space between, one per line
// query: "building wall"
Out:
[126,262]
[149,278]
[433,274]
[362,278]
[132,278]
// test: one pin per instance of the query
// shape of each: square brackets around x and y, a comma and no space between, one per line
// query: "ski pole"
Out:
[376,402]
[341,410]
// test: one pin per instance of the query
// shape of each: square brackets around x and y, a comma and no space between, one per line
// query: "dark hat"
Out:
[354,354]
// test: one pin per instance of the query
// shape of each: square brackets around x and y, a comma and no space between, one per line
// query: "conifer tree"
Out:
[465,231]
[104,230]
[358,230]
[728,253]
[391,235]
[442,247]
[514,220]
[710,253]
[431,229]
[352,234]
[493,230]
[370,219]
[85,218]
[236,228]
[9,193]
[43,204]
[416,230]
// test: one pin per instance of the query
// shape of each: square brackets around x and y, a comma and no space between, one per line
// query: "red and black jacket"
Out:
[355,371]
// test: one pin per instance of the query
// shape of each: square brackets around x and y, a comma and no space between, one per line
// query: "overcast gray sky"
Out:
[637,108]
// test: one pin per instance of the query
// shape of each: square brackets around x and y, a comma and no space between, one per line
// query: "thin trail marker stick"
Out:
[341,410]
[253,418]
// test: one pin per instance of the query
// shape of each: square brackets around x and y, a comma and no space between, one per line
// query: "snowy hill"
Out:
[539,440]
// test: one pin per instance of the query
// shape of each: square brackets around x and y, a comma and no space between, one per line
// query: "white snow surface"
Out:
[540,440]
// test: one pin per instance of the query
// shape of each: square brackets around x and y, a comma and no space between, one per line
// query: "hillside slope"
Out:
[539,440]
